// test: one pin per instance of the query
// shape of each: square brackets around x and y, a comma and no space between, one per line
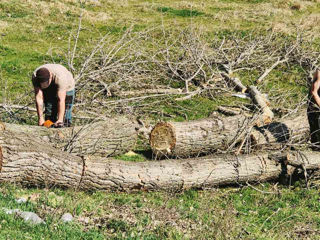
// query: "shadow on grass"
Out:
[180,12]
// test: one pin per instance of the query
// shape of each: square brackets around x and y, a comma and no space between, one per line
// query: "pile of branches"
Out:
[120,76]
[137,72]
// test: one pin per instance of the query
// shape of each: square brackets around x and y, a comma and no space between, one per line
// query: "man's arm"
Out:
[61,105]
[316,87]
[39,104]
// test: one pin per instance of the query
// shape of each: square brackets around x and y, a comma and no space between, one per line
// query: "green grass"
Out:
[14,228]
[134,158]
[180,12]
[246,1]
[30,38]
[286,213]
[195,108]
[37,32]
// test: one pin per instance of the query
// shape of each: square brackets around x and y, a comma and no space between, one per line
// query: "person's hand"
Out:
[58,124]
[41,122]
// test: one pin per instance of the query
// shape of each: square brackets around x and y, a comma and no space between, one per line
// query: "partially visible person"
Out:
[54,88]
[314,111]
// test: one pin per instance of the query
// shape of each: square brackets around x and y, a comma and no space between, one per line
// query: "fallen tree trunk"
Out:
[194,138]
[30,162]
[104,138]
[262,104]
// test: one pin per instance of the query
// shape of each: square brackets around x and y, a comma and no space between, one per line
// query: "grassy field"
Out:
[262,212]
[37,32]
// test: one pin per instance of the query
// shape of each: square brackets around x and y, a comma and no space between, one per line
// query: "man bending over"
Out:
[54,92]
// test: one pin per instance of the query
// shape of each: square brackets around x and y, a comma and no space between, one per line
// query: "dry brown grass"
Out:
[3,25]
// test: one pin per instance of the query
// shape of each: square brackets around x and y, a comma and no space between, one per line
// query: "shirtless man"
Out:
[54,91]
[314,111]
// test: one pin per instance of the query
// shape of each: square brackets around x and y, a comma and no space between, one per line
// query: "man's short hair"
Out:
[42,77]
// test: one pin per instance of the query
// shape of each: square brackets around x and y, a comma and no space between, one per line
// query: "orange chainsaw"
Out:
[48,124]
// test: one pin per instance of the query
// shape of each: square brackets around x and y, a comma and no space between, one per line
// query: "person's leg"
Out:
[51,110]
[69,105]
[317,131]
[314,123]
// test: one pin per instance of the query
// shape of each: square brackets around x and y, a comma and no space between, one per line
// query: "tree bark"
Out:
[262,104]
[194,138]
[291,131]
[103,138]
[234,83]
[28,161]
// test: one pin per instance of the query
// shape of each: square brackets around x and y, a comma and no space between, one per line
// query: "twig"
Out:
[5,106]
[267,71]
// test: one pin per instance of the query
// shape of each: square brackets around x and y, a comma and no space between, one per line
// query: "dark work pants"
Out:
[51,107]
[314,122]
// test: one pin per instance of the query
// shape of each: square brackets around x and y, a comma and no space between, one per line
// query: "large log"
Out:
[103,138]
[194,138]
[31,162]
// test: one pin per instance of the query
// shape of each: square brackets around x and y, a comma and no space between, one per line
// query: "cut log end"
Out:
[264,119]
[162,138]
[244,90]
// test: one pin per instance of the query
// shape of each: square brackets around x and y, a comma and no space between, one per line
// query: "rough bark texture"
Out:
[31,162]
[235,83]
[262,104]
[104,138]
[179,174]
[184,139]
[294,130]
